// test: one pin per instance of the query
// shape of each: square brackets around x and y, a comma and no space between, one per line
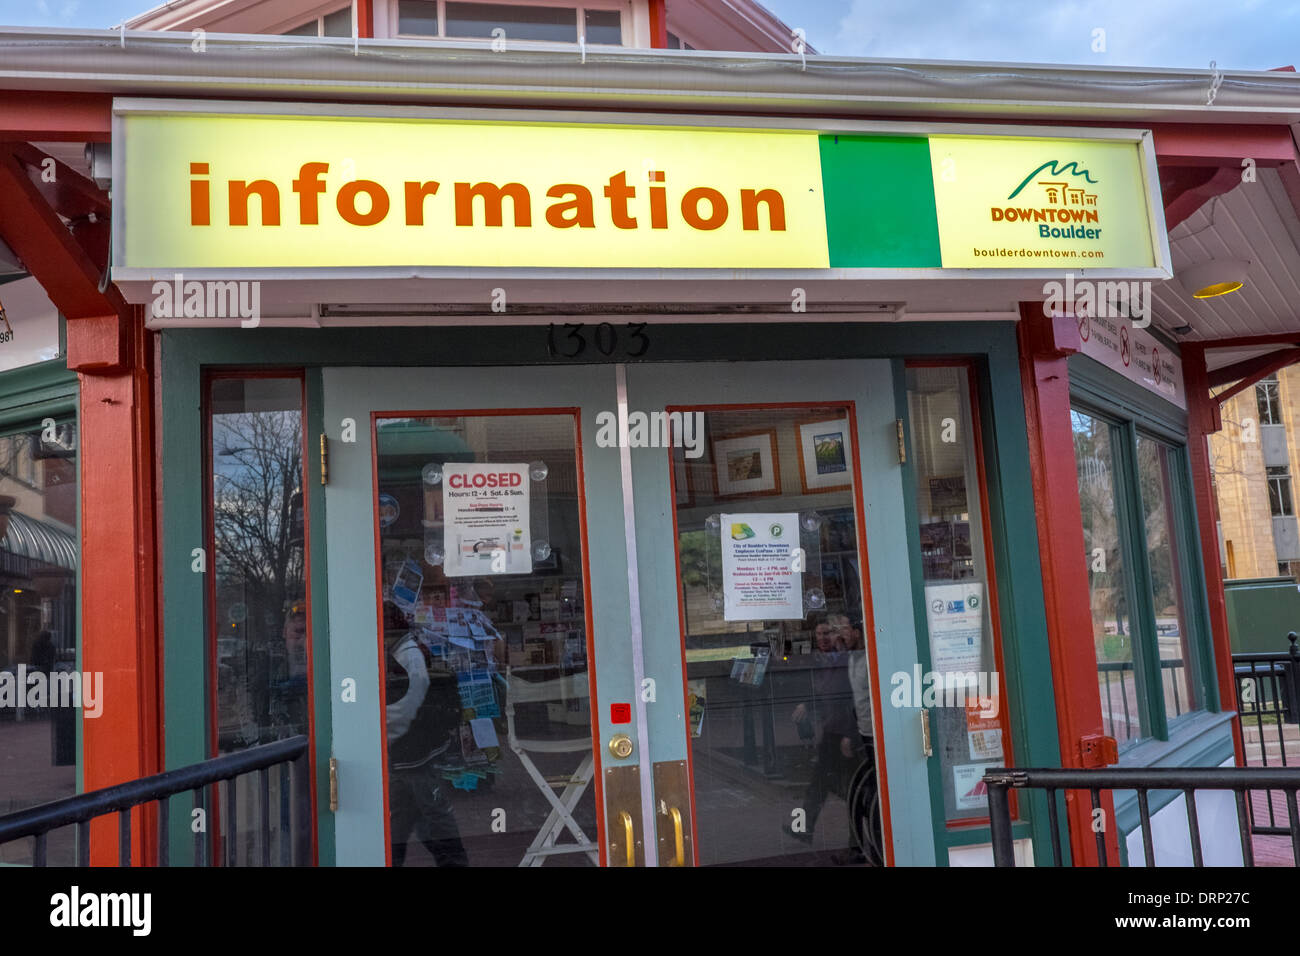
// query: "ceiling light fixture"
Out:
[1214,277]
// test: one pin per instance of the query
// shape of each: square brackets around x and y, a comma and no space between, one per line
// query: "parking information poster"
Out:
[956,616]
[759,580]
[485,510]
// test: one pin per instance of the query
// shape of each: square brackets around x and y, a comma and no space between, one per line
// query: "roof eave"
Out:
[159,63]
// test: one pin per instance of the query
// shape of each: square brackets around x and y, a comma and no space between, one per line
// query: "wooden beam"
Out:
[69,193]
[119,572]
[1185,189]
[1251,370]
[47,248]
[40,115]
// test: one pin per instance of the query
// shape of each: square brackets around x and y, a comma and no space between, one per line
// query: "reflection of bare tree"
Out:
[257,471]
[258,468]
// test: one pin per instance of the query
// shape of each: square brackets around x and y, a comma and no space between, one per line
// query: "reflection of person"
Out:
[422,715]
[295,640]
[42,653]
[825,714]
[287,690]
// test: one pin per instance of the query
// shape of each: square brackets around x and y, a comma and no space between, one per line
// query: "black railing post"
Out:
[997,782]
[1291,677]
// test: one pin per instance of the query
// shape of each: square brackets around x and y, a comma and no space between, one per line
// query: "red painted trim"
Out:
[1202,419]
[49,116]
[1185,189]
[312,763]
[1201,144]
[49,251]
[658,24]
[576,413]
[119,574]
[381,664]
[868,612]
[1044,345]
[365,19]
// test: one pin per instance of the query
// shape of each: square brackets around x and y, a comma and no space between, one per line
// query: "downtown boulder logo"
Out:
[1057,200]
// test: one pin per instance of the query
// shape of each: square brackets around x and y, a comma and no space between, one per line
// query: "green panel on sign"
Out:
[879,202]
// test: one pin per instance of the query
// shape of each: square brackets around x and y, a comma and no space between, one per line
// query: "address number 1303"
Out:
[571,340]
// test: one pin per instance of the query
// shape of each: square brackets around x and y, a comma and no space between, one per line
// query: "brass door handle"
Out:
[628,837]
[679,839]
[927,747]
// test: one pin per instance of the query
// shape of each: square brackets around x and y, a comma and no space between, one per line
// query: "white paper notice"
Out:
[969,787]
[485,507]
[956,616]
[759,582]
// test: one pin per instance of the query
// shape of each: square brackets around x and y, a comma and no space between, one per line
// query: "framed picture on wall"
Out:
[745,465]
[948,493]
[825,455]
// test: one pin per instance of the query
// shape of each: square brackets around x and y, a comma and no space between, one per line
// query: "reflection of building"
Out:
[1254,458]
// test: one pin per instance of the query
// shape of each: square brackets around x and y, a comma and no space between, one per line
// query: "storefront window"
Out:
[1108,581]
[487,701]
[42,691]
[259,619]
[778,679]
[969,724]
[1138,556]
[1156,463]
[556,24]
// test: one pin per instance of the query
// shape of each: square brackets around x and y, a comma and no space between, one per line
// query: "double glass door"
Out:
[613,615]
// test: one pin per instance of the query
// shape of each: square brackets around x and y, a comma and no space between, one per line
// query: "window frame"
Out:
[208,376]
[1286,503]
[1100,392]
[318,19]
[579,8]
[1273,401]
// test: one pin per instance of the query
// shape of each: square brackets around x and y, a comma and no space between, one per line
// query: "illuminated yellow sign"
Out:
[229,191]
[1032,203]
[245,191]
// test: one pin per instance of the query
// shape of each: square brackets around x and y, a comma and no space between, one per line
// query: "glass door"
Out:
[776,630]
[617,615]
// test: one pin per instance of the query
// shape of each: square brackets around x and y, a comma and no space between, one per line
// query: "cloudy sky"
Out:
[1236,34]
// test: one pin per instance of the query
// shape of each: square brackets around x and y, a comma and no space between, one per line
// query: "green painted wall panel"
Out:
[880,210]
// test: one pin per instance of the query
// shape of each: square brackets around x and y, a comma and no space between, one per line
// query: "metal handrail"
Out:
[1143,780]
[122,798]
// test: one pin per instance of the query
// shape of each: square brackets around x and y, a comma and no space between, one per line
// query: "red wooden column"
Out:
[119,572]
[658,24]
[1045,344]
[365,19]
[1203,419]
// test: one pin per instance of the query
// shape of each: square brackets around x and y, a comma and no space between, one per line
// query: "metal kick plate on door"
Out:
[673,813]
[623,837]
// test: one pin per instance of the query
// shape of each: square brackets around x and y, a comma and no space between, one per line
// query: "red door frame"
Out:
[868,611]
[1045,345]
[597,780]
[212,626]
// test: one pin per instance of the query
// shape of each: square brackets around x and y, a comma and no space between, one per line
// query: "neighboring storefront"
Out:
[646,487]
[39,608]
